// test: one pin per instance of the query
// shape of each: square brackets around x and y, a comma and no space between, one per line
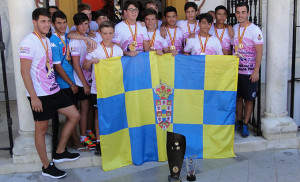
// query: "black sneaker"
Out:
[65,156]
[52,172]
[98,149]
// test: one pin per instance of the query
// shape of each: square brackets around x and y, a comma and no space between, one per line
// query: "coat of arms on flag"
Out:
[163,105]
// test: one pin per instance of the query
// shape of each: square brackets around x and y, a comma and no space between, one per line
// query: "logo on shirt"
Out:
[74,49]
[53,45]
[25,50]
[259,37]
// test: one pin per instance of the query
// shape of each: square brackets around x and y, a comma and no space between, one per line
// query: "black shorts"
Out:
[71,95]
[50,104]
[94,100]
[246,89]
[80,94]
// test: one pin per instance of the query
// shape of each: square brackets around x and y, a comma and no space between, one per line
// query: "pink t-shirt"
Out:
[213,46]
[78,48]
[252,36]
[100,54]
[124,37]
[178,39]
[183,25]
[41,73]
[226,41]
[159,42]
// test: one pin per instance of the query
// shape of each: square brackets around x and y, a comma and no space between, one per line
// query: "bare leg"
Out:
[248,110]
[239,108]
[84,108]
[39,138]
[73,117]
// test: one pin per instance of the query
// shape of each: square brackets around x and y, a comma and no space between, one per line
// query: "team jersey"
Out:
[59,52]
[100,54]
[78,48]
[213,46]
[183,25]
[97,37]
[226,41]
[124,37]
[178,39]
[41,72]
[252,36]
[159,42]
[92,26]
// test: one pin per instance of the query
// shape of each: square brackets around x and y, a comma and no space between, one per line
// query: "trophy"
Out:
[176,145]
[191,163]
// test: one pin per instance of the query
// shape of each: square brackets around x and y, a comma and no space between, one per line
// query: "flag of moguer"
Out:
[141,98]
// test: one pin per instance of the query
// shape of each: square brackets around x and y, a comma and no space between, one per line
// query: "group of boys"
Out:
[58,73]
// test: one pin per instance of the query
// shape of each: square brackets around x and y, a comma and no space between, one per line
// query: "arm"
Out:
[163,32]
[87,64]
[146,46]
[25,72]
[259,51]
[230,32]
[198,12]
[76,65]
[74,35]
[65,77]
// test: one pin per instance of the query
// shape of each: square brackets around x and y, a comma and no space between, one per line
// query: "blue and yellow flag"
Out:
[141,98]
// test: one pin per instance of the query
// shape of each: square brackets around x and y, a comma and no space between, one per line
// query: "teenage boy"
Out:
[53,9]
[222,31]
[190,26]
[204,43]
[174,34]
[44,94]
[156,43]
[105,50]
[82,77]
[248,42]
[86,9]
[152,4]
[100,17]
[130,35]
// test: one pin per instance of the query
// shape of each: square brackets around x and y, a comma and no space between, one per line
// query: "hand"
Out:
[187,54]
[92,34]
[163,33]
[36,104]
[132,53]
[159,52]
[174,52]
[192,35]
[95,60]
[142,23]
[87,89]
[254,76]
[89,49]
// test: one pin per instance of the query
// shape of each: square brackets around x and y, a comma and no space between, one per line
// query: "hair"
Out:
[151,2]
[221,7]
[190,5]
[40,12]
[130,2]
[99,13]
[170,9]
[83,6]
[241,4]
[106,24]
[53,7]
[208,17]
[58,14]
[150,12]
[211,11]
[80,18]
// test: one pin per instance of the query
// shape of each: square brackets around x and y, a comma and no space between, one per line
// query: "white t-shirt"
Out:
[100,54]
[252,36]
[42,75]
[78,48]
[159,42]
[213,46]
[124,37]
[178,39]
[226,41]
[183,25]
[98,37]
[93,26]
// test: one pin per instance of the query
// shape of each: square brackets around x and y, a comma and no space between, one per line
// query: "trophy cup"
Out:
[176,145]
[191,163]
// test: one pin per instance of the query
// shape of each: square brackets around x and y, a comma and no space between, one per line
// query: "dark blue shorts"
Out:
[246,89]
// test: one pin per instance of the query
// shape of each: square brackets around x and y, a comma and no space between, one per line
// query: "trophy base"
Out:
[191,178]
[173,179]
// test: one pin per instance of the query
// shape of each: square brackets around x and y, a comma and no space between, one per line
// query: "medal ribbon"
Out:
[111,51]
[241,37]
[45,47]
[151,44]
[135,31]
[203,47]
[65,45]
[172,39]
[221,37]
[87,44]
[188,25]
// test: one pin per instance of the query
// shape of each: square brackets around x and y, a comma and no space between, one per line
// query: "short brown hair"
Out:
[83,6]
[106,24]
[151,2]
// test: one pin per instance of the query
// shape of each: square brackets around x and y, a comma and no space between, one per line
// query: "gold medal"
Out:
[240,37]
[134,43]
[131,47]
[134,35]
[152,48]
[172,47]
[68,58]
[240,46]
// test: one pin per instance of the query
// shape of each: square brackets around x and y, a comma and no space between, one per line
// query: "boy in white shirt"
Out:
[100,17]
[130,35]
[152,4]
[204,43]
[105,50]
